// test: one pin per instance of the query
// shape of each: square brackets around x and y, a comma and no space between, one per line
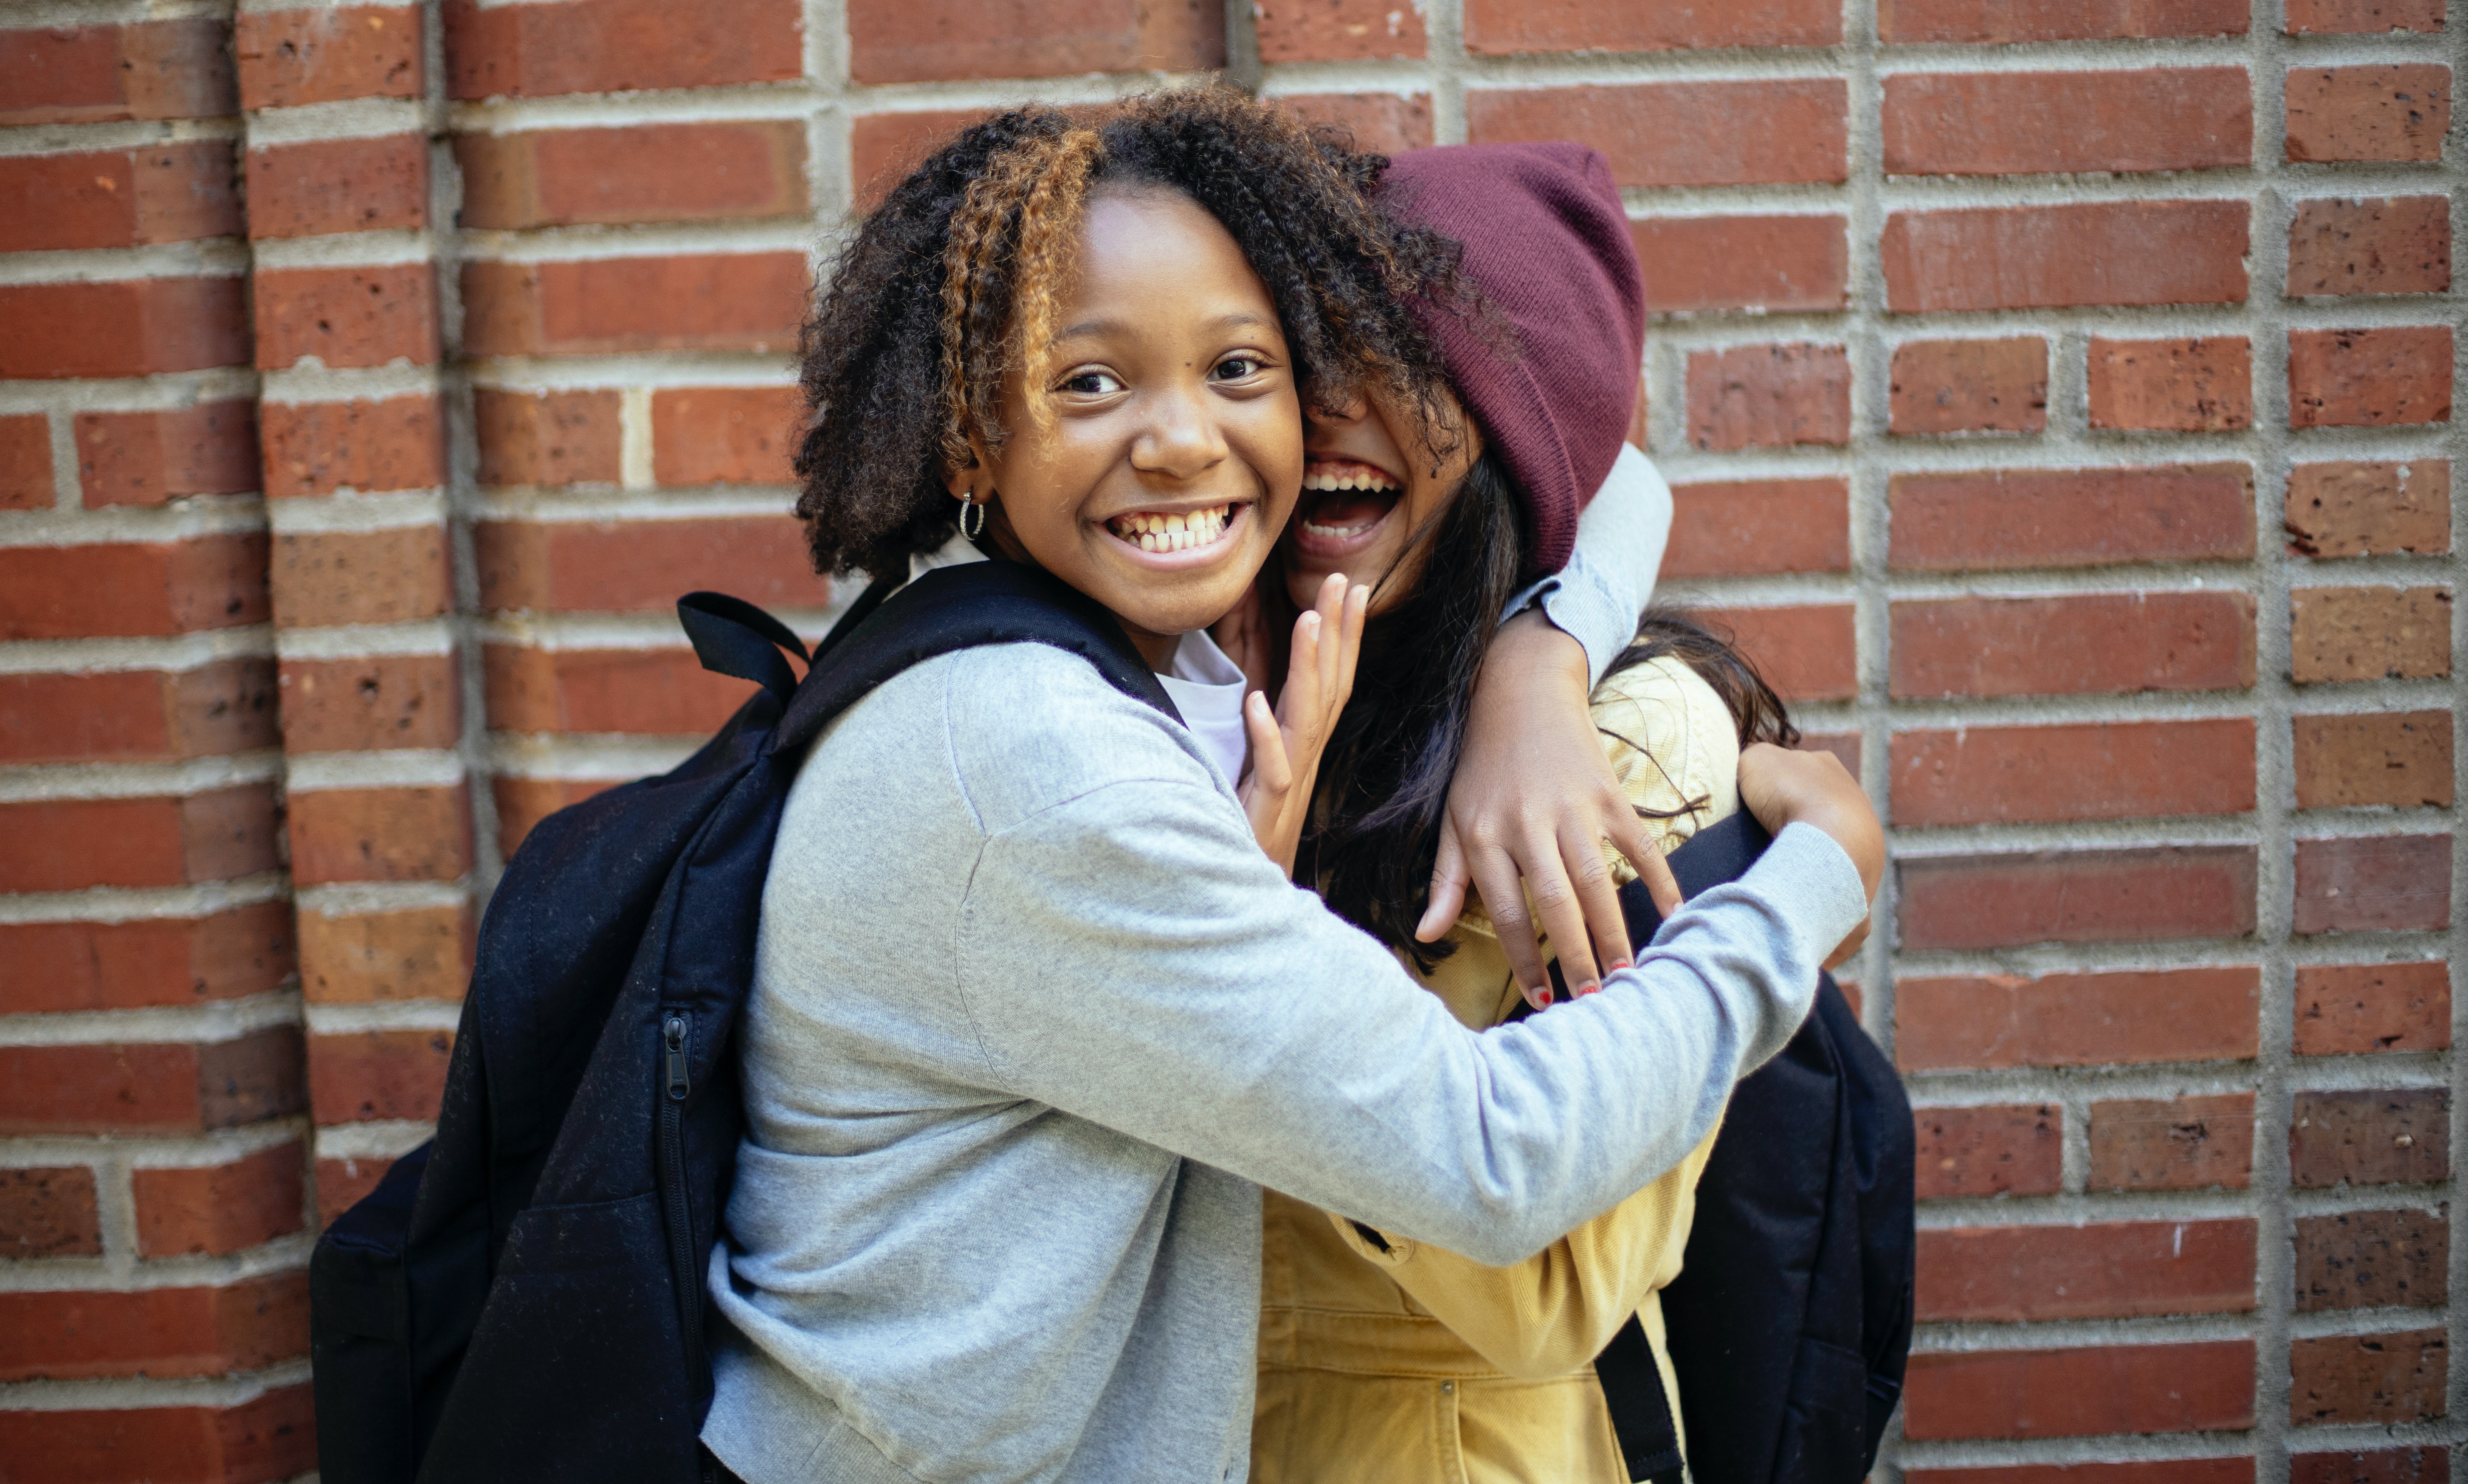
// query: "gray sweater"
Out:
[1034,1019]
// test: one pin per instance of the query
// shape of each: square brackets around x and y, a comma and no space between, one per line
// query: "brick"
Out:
[643,565]
[2369,246]
[2084,770]
[222,707]
[1768,397]
[49,1212]
[522,803]
[338,185]
[2036,123]
[374,1075]
[1771,131]
[884,146]
[1389,122]
[71,592]
[1304,31]
[725,435]
[2172,1470]
[2005,520]
[144,458]
[2394,1136]
[2369,633]
[126,327]
[73,844]
[1497,27]
[361,958]
[2397,113]
[26,463]
[704,301]
[2086,644]
[926,40]
[1739,528]
[220,1209]
[2358,507]
[2204,384]
[272,1437]
[323,56]
[2172,1143]
[395,576]
[341,1184]
[2077,1019]
[411,834]
[657,692]
[174,69]
[1969,386]
[175,1089]
[616,46]
[2355,17]
[172,193]
[2048,256]
[1973,1151]
[2001,21]
[74,1335]
[2372,1260]
[2101,1270]
[735,170]
[2394,1465]
[2080,1392]
[2398,760]
[2368,1378]
[556,438]
[2373,884]
[2350,1008]
[346,316]
[375,701]
[145,961]
[326,447]
[2369,378]
[1777,263]
[2134,895]
[1807,654]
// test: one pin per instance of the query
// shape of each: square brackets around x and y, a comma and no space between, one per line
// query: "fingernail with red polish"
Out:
[1587,988]
[1622,963]
[1543,998]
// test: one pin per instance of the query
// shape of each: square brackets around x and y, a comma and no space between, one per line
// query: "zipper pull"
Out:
[672,1035]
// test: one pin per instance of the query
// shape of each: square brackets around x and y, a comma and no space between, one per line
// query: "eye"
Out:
[1235,368]
[1090,383]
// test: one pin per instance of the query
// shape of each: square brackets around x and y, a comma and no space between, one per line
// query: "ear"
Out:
[974,481]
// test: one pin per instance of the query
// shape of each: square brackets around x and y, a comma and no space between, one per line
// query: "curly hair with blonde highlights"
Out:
[953,281]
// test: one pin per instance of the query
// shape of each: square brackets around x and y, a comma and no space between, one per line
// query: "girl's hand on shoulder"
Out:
[1287,743]
[1532,802]
[1782,787]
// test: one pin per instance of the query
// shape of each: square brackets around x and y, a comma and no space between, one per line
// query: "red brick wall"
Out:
[2058,394]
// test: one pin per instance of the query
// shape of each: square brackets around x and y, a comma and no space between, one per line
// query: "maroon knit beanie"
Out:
[1548,245]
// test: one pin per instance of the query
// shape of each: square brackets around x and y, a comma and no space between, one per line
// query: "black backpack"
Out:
[1791,1320]
[524,1296]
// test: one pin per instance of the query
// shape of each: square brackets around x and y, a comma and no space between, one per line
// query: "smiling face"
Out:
[1371,486]
[1172,449]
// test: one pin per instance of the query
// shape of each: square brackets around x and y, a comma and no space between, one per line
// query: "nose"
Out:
[1339,418]
[1180,439]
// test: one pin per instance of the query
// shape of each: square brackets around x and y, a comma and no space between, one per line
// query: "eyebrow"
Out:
[1235,320]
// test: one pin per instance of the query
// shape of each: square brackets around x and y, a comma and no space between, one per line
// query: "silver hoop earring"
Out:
[970,507]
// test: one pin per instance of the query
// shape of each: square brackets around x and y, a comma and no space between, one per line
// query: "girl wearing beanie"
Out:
[1383,1358]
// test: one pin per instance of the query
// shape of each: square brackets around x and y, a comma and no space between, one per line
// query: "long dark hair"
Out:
[1383,779]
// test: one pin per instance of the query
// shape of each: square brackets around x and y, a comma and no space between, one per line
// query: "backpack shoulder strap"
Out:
[962,607]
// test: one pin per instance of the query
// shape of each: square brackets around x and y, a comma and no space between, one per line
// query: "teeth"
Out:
[1174,531]
[1355,478]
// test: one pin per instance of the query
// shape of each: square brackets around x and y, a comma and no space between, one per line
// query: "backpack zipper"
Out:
[674,1032]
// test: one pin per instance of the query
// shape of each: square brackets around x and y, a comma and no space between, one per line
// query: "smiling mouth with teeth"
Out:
[1342,498]
[1181,530]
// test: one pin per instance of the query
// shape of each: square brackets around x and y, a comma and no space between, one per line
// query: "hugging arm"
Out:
[1533,797]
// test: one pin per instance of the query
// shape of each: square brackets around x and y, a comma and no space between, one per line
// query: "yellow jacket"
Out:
[1385,1360]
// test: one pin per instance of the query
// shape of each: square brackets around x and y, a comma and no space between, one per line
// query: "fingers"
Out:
[1271,769]
[1449,878]
[1597,899]
[1566,894]
[1503,896]
[1629,834]
[1357,610]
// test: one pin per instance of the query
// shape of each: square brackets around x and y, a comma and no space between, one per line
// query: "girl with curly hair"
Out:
[1036,1011]
[1385,1359]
